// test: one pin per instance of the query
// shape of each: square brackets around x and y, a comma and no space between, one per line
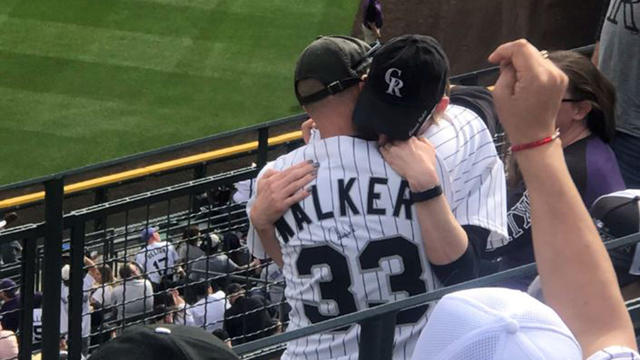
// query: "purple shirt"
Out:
[594,168]
[372,13]
[603,172]
[10,314]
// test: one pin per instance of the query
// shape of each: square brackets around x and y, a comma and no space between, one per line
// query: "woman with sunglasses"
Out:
[586,125]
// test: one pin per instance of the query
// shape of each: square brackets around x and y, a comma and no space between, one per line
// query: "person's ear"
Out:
[363,79]
[581,109]
[442,105]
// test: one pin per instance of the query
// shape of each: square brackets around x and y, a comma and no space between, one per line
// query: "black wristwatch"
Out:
[426,195]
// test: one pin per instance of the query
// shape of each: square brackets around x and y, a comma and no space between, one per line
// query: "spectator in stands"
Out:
[272,275]
[372,20]
[619,51]
[617,215]
[234,245]
[189,249]
[586,124]
[64,353]
[103,287]
[87,286]
[9,311]
[243,189]
[134,295]
[102,304]
[208,311]
[9,251]
[577,278]
[157,259]
[162,314]
[247,319]
[8,344]
[216,263]
[37,320]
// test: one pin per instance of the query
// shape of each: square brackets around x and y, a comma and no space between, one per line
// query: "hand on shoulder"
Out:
[414,160]
[278,190]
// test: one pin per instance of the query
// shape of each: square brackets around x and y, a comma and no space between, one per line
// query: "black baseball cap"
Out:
[337,62]
[165,341]
[618,212]
[407,79]
[616,215]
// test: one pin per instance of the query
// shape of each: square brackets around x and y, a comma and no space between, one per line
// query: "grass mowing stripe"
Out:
[60,132]
[163,19]
[199,4]
[162,53]
[129,85]
[6,6]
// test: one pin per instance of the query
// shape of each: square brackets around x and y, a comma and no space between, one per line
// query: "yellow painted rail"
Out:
[154,168]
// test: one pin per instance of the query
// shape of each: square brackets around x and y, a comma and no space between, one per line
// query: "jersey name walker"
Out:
[157,260]
[356,243]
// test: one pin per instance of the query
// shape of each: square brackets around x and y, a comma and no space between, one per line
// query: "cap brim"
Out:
[395,120]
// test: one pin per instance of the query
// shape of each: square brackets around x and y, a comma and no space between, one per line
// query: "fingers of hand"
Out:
[505,85]
[298,196]
[297,172]
[517,52]
[292,188]
[268,173]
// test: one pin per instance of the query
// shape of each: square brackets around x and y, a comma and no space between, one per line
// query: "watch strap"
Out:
[426,194]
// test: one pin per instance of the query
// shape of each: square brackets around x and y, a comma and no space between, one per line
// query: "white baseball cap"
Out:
[495,324]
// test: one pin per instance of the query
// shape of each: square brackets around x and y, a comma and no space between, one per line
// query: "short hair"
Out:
[126,271]
[233,288]
[308,87]
[191,234]
[200,289]
[106,273]
[586,82]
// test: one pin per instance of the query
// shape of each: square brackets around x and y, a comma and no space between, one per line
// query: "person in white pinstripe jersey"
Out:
[348,230]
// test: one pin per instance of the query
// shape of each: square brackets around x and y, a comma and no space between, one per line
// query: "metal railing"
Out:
[378,323]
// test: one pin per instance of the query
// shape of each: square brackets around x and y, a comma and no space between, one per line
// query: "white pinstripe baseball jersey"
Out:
[157,260]
[615,353]
[356,242]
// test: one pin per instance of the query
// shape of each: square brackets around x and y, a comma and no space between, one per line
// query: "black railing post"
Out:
[101,196]
[26,297]
[54,194]
[263,146]
[376,337]
[76,289]
[200,171]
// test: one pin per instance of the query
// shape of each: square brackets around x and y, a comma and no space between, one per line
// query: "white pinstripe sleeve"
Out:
[615,352]
[474,169]
[254,244]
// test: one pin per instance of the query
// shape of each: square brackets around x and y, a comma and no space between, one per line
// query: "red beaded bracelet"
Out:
[536,143]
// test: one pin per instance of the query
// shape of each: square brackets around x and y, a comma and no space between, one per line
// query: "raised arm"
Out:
[576,274]
[91,268]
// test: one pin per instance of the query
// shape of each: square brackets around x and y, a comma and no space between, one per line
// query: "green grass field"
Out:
[83,81]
